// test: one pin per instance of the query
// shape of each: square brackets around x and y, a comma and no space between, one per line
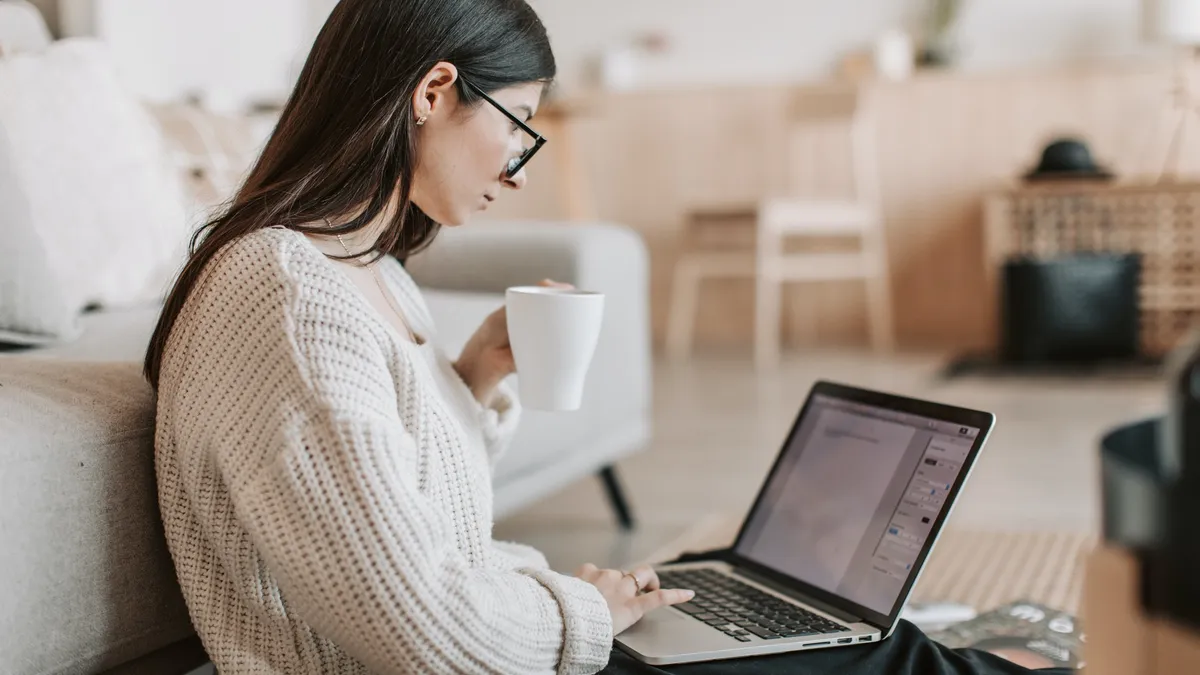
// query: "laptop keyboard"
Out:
[742,611]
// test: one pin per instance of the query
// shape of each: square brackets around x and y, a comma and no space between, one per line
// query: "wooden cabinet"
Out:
[1159,222]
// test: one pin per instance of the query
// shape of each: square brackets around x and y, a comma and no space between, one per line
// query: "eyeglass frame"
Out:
[528,153]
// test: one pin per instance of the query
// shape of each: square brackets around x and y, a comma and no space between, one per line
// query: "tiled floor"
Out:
[719,424]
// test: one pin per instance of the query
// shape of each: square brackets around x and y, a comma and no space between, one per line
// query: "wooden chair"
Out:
[817,120]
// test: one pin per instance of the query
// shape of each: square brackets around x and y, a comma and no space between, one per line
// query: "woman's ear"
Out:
[435,95]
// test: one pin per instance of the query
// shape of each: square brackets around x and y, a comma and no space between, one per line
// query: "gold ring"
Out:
[636,584]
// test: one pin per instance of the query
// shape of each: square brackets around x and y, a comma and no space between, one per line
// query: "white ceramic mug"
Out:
[553,332]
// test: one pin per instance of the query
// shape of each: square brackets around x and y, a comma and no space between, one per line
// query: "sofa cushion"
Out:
[85,574]
[112,335]
[95,179]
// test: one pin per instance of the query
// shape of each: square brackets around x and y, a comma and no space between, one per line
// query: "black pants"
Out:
[906,652]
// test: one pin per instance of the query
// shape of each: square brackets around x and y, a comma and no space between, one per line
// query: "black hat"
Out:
[1067,158]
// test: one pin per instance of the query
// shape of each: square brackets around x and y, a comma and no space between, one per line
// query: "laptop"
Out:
[836,538]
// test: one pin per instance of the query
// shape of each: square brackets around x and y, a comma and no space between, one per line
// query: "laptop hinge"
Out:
[793,593]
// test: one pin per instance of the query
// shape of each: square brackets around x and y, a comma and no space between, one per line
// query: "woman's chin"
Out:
[454,219]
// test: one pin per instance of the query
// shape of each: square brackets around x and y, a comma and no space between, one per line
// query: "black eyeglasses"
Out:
[514,164]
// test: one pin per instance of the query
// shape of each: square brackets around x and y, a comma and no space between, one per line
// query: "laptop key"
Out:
[762,633]
[740,638]
[689,608]
[705,617]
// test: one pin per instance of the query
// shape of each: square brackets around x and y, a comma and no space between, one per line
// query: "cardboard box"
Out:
[1121,639]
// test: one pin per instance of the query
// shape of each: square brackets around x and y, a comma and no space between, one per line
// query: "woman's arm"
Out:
[517,556]
[497,415]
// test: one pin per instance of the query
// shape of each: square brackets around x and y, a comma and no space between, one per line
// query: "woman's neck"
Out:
[359,243]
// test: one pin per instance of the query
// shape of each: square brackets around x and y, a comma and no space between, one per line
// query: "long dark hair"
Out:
[345,144]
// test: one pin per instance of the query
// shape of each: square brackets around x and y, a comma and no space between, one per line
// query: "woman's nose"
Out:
[515,182]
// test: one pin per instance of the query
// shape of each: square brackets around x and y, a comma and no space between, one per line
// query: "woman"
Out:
[324,470]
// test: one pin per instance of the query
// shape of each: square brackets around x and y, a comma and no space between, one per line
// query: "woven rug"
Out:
[980,568]
[986,569]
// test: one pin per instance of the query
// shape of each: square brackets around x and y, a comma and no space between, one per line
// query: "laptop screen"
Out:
[854,497]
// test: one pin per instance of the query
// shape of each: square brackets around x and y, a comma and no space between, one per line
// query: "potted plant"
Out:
[938,47]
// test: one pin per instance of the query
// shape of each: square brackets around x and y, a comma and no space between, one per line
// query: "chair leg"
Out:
[681,314]
[809,335]
[879,312]
[616,497]
[767,310]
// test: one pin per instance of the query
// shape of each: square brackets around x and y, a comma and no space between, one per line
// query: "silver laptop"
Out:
[836,539]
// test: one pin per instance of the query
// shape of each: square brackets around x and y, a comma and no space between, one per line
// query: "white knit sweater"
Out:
[325,486]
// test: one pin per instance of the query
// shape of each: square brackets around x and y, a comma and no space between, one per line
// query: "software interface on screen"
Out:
[855,497]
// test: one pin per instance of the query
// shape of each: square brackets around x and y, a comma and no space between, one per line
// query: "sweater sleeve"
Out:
[323,478]
[497,419]
[519,556]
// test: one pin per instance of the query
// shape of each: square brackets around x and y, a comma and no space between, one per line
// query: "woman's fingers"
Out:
[550,283]
[653,600]
[586,571]
[647,578]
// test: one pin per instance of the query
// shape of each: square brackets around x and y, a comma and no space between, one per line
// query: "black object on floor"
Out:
[14,348]
[1078,307]
[989,365]
[1148,508]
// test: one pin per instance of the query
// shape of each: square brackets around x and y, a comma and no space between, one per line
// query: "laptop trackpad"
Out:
[667,632]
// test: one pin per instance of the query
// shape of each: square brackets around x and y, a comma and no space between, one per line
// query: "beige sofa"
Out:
[86,582]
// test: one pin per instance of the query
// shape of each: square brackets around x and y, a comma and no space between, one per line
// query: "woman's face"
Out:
[463,153]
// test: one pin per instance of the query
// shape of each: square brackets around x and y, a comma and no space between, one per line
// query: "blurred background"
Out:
[890,193]
[669,108]
[991,203]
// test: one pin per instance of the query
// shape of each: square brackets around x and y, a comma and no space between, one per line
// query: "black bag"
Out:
[1075,308]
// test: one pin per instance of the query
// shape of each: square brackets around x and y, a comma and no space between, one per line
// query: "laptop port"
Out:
[845,641]
[865,638]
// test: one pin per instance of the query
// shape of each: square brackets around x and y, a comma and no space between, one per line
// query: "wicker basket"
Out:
[1159,222]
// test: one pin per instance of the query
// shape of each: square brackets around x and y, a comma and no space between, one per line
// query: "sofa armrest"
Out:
[490,257]
[612,259]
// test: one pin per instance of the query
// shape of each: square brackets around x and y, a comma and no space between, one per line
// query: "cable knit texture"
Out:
[325,486]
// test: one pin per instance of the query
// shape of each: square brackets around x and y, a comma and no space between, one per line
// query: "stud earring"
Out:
[421,120]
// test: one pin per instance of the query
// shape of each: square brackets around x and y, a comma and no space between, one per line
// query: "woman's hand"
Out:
[626,604]
[487,357]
